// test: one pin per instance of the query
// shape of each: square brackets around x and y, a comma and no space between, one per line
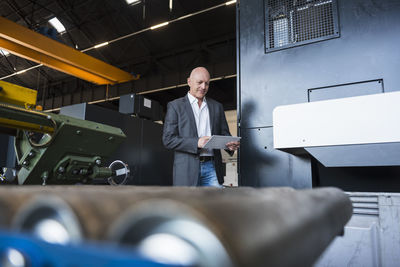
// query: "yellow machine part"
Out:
[20,118]
[12,96]
[17,95]
[21,125]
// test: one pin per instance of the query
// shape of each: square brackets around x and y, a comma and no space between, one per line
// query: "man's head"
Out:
[198,82]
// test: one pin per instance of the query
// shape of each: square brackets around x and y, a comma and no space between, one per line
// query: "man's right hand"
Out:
[202,141]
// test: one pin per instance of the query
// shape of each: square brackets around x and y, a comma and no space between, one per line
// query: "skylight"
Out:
[132,1]
[57,24]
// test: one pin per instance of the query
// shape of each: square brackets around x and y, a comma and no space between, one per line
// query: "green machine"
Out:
[57,149]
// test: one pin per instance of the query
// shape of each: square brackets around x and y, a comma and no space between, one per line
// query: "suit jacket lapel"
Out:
[211,112]
[189,111]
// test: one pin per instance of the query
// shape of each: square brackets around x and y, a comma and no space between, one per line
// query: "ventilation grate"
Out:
[291,23]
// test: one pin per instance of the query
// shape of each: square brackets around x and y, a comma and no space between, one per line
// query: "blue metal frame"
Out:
[39,253]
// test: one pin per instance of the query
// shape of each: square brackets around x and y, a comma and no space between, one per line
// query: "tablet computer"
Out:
[220,141]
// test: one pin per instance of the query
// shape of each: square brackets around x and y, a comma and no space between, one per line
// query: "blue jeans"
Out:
[207,175]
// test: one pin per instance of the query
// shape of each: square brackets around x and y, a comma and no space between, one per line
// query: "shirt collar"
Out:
[192,99]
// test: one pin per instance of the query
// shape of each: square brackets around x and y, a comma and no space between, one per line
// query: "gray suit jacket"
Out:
[180,134]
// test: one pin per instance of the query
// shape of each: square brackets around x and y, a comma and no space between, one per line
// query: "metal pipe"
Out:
[49,218]
[205,226]
[255,227]
[10,201]
[94,207]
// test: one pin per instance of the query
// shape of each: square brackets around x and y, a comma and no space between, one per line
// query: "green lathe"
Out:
[57,149]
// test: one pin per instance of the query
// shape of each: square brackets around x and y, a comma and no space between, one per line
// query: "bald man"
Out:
[189,123]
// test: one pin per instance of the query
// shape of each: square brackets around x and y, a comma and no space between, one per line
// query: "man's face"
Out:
[198,82]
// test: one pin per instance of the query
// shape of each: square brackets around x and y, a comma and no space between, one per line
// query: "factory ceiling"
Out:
[198,33]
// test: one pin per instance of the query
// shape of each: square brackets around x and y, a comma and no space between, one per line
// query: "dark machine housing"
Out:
[298,51]
[143,151]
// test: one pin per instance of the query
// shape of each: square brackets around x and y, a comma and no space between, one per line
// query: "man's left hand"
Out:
[232,146]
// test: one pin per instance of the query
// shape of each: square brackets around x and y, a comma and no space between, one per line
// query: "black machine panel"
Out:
[292,52]
[141,107]
[345,90]
[366,179]
[367,49]
[7,153]
[150,162]
[276,168]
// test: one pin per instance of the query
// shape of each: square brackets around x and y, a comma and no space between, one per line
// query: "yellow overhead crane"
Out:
[16,104]
[17,95]
[36,47]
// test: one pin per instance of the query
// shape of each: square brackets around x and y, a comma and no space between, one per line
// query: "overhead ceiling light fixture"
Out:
[170,5]
[21,71]
[57,24]
[159,25]
[132,2]
[4,52]
[100,45]
[135,33]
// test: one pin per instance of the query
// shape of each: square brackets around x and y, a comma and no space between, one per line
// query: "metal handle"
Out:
[121,171]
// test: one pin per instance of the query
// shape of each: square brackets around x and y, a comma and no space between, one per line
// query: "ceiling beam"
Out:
[41,49]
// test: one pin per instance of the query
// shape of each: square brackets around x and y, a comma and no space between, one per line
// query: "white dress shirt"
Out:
[202,118]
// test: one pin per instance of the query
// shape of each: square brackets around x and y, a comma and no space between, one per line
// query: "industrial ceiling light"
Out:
[140,31]
[100,45]
[170,5]
[4,52]
[132,2]
[56,23]
[159,25]
[21,71]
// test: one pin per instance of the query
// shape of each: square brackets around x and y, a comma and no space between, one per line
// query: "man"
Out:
[189,123]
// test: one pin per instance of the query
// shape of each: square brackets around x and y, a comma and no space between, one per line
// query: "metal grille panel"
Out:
[291,23]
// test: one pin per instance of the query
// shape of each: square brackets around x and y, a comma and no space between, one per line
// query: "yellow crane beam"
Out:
[15,104]
[17,95]
[36,47]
